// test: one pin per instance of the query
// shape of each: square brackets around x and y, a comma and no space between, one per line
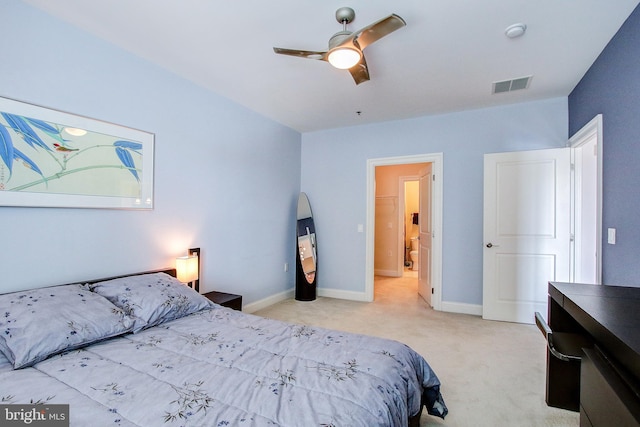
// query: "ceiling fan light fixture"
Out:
[344,57]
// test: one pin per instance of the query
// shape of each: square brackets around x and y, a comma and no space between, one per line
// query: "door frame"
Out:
[580,138]
[436,159]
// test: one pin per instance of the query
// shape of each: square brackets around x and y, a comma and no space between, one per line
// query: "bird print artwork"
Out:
[54,160]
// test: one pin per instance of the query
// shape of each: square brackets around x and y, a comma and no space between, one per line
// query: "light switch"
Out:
[360,228]
[611,236]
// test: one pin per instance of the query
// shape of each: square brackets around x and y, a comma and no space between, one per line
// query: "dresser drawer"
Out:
[605,398]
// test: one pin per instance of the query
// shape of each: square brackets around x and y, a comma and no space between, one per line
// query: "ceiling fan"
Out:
[345,47]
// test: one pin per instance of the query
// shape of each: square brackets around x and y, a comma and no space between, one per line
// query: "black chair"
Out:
[565,346]
[563,366]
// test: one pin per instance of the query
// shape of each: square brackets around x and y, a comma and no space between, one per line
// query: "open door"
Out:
[527,231]
[425,234]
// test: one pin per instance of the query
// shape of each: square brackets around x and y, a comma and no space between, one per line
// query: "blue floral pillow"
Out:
[38,323]
[151,299]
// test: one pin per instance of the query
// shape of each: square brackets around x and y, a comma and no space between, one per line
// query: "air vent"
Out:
[511,85]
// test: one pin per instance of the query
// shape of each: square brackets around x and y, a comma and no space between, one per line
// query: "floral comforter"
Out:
[221,367]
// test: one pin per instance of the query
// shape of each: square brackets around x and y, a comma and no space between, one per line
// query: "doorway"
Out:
[542,222]
[395,211]
[435,273]
[411,215]
[586,208]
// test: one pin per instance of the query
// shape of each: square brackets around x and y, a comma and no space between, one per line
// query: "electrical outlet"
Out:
[611,236]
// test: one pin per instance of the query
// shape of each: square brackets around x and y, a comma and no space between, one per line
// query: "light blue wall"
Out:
[611,87]
[226,178]
[334,177]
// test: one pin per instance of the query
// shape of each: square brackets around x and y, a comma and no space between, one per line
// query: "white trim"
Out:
[462,308]
[289,294]
[449,307]
[388,273]
[266,302]
[340,294]
[436,159]
[584,135]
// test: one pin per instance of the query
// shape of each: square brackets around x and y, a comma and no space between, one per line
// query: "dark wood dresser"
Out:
[608,375]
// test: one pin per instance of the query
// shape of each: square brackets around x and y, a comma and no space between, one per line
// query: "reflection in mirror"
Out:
[307,251]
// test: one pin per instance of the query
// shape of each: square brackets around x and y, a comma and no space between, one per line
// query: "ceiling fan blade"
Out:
[302,53]
[374,32]
[360,71]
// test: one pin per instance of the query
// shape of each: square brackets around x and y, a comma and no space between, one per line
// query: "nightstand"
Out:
[226,300]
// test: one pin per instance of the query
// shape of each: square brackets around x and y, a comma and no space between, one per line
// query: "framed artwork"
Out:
[50,158]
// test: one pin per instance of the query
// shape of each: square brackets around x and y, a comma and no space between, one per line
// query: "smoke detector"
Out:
[515,30]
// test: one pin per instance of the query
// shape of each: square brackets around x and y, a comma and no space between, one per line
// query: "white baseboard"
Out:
[462,308]
[266,302]
[321,292]
[451,307]
[339,294]
[387,273]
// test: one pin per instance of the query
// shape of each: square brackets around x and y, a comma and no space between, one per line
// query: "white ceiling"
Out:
[444,60]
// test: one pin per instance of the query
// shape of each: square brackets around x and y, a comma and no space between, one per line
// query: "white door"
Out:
[527,240]
[426,235]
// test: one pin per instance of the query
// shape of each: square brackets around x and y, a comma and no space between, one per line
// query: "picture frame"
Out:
[51,158]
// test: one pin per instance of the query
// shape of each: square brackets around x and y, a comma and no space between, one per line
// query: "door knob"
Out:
[491,245]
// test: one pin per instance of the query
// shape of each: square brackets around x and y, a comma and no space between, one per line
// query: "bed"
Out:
[145,350]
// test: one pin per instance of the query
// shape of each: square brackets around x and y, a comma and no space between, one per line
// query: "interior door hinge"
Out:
[432,291]
[434,177]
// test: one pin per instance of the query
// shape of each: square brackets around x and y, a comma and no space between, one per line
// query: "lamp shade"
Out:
[344,57]
[187,268]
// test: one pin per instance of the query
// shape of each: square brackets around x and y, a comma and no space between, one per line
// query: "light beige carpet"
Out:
[492,373]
